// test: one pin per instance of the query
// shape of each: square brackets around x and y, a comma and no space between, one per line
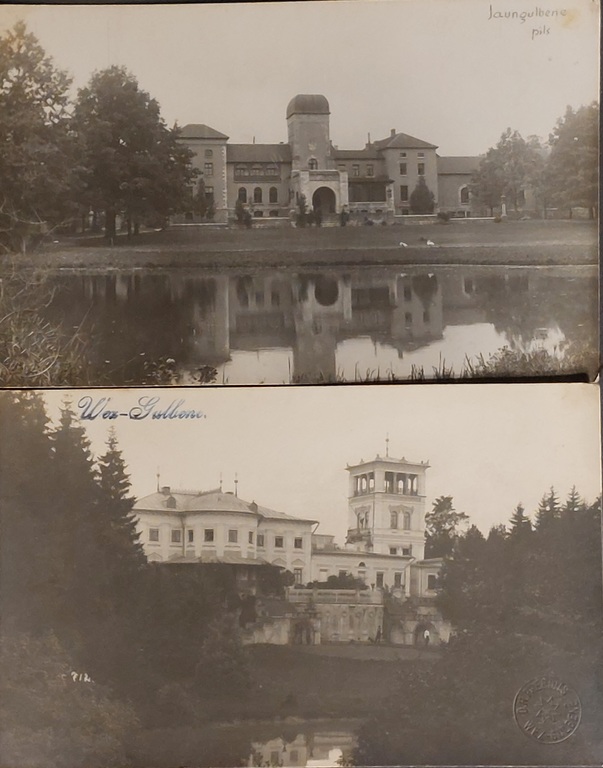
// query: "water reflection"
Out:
[281,326]
[311,749]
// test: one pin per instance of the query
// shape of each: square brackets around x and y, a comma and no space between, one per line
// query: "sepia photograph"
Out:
[301,576]
[283,193]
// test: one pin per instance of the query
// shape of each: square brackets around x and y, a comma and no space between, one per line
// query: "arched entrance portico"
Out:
[324,200]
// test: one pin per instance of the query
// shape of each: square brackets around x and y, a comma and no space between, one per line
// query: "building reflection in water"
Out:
[323,749]
[347,324]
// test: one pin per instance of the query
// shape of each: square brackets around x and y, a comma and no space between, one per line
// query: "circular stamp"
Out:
[547,709]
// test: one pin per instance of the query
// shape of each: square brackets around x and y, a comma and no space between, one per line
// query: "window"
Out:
[403,193]
[380,576]
[298,574]
[259,298]
[176,536]
[464,195]
[208,169]
[393,519]
[393,550]
[273,195]
[420,154]
[153,534]
[408,319]
[258,214]
[208,534]
[421,169]
[279,542]
[209,193]
[251,537]
[407,551]
[341,167]
[243,194]
[257,195]
[312,164]
[407,293]
[209,153]
[275,299]
[402,154]
[273,213]
[260,540]
[190,535]
[370,171]
[397,579]
[406,521]
[298,543]
[403,169]
[355,170]
[233,536]
[432,581]
[426,316]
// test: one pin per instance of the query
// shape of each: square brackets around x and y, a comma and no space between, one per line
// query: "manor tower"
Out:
[386,507]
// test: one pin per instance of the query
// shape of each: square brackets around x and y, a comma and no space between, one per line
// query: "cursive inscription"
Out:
[536,14]
[147,407]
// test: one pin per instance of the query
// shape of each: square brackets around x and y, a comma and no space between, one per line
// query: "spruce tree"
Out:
[520,523]
[548,510]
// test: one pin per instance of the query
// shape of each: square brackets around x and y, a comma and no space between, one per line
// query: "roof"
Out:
[388,459]
[368,153]
[458,165]
[201,131]
[176,502]
[308,104]
[258,153]
[228,558]
[403,141]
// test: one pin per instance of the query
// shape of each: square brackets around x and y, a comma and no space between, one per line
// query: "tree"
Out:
[548,509]
[200,199]
[116,508]
[422,200]
[572,167]
[302,211]
[510,168]
[132,164]
[520,523]
[37,180]
[442,526]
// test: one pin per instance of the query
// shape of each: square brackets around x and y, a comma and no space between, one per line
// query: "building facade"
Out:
[372,183]
[384,547]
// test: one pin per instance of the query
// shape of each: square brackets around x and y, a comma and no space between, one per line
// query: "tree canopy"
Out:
[132,163]
[422,199]
[39,156]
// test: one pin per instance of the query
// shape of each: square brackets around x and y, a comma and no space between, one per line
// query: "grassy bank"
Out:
[520,242]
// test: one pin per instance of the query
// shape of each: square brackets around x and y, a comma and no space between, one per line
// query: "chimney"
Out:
[166,490]
[393,132]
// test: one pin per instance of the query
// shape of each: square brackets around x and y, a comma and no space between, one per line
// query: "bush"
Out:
[443,216]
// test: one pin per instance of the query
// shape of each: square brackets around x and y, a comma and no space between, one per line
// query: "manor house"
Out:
[384,547]
[374,182]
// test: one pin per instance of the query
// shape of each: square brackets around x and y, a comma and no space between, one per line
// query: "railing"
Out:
[341,596]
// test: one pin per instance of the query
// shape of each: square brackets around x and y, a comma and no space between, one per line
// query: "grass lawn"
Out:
[470,242]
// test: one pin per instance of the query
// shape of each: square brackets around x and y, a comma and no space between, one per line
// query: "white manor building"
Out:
[384,547]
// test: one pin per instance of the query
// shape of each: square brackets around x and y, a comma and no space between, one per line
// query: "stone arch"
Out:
[434,635]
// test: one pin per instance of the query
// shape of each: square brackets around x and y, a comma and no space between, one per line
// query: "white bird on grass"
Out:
[430,242]
[404,245]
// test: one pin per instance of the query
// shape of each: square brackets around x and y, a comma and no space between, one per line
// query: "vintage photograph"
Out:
[301,576]
[287,193]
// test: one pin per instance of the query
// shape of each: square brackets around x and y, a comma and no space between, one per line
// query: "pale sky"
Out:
[441,70]
[489,446]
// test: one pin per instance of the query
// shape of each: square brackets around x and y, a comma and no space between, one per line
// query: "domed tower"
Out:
[308,130]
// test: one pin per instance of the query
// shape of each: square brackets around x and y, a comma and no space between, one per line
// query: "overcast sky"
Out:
[440,70]
[489,446]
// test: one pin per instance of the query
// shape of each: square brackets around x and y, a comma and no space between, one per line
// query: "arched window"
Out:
[257,195]
[464,195]
[273,194]
[393,519]
[312,163]
[243,194]
[406,521]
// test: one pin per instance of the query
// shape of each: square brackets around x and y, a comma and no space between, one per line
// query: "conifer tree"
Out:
[520,523]
[548,510]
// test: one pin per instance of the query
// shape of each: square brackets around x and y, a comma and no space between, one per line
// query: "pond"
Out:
[243,326]
[301,744]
